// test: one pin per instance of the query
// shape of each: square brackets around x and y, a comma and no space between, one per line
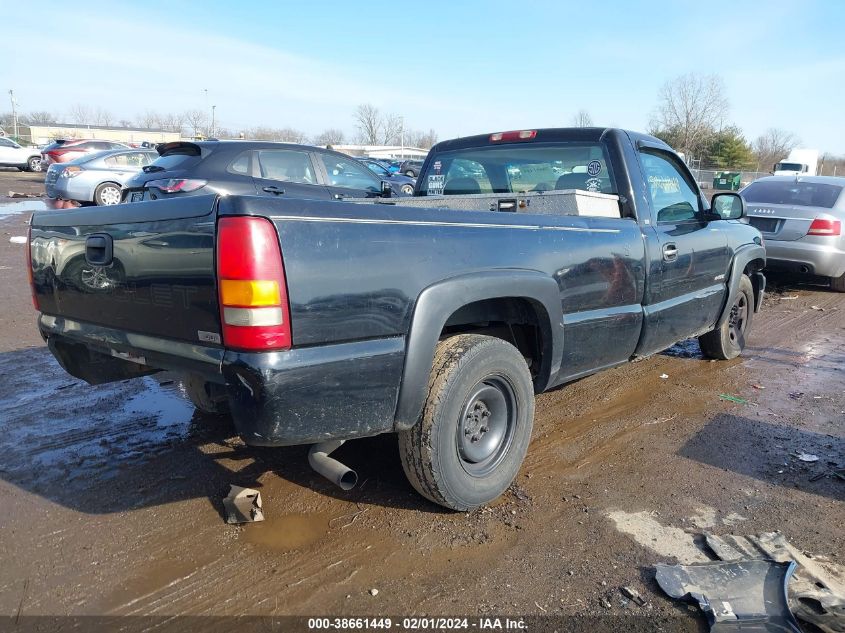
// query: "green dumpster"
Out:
[726,180]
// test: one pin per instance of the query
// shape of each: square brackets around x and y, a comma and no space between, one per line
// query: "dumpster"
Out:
[726,180]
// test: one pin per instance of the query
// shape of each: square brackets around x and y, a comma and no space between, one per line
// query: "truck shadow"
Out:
[140,443]
[768,452]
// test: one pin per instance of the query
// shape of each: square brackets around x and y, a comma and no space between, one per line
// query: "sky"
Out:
[458,67]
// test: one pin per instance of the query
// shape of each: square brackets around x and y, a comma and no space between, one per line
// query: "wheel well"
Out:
[515,320]
[755,266]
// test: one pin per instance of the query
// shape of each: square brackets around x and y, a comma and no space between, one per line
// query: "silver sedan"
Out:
[96,177]
[802,221]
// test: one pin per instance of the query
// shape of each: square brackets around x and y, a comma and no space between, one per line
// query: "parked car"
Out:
[801,219]
[14,155]
[401,184]
[319,322]
[64,151]
[97,177]
[411,167]
[253,168]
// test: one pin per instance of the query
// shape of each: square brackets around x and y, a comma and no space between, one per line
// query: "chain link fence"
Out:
[705,177]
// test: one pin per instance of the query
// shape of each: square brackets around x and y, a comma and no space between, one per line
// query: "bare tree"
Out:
[172,122]
[423,140]
[773,146]
[147,120]
[41,118]
[284,135]
[582,119]
[690,107]
[197,121]
[368,121]
[81,114]
[391,129]
[102,117]
[331,136]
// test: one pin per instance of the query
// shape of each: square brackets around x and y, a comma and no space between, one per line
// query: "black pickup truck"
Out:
[525,260]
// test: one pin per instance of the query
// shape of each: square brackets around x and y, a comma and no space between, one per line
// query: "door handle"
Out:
[670,252]
[273,189]
[340,196]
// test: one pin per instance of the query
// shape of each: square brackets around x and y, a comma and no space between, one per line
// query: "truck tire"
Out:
[728,341]
[208,397]
[837,284]
[476,424]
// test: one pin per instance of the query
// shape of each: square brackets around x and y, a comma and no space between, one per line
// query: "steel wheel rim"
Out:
[486,426]
[110,195]
[738,319]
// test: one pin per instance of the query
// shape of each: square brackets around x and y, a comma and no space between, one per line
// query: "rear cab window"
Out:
[514,168]
[793,192]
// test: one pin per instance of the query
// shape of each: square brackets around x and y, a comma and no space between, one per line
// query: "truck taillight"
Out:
[825,227]
[251,284]
[29,265]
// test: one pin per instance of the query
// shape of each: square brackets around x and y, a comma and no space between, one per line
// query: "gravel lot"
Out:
[111,495]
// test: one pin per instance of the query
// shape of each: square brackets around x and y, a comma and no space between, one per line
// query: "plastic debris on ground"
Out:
[243,505]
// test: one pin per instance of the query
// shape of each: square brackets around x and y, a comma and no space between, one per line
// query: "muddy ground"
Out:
[111,495]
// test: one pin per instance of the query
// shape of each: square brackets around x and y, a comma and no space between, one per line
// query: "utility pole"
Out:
[213,111]
[14,114]
[402,134]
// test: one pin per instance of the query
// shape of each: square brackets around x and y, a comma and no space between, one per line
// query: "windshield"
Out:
[377,169]
[801,194]
[519,168]
[789,167]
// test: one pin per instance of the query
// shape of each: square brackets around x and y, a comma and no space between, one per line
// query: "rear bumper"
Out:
[826,260]
[67,189]
[301,396]
[309,395]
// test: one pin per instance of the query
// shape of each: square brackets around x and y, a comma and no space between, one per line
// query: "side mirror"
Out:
[728,205]
[386,189]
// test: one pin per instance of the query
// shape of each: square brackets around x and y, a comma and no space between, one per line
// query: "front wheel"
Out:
[728,341]
[476,423]
[33,164]
[407,189]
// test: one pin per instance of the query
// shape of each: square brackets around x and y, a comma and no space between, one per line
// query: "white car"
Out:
[24,158]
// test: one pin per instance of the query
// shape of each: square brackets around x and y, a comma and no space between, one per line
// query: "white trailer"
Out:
[800,162]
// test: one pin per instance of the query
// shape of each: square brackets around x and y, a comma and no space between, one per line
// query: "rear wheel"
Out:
[476,424]
[837,284]
[728,341]
[107,193]
[410,174]
[208,397]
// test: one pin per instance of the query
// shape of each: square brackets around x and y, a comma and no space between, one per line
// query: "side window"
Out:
[128,159]
[672,197]
[241,164]
[344,172]
[6,143]
[286,166]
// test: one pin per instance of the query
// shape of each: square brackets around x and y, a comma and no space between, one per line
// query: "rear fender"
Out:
[439,301]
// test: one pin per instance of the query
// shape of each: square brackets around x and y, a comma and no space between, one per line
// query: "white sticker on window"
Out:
[435,184]
[594,184]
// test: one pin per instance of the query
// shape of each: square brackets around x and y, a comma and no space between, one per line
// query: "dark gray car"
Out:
[253,168]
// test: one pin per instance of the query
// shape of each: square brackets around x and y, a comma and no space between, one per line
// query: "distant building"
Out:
[41,134]
[381,151]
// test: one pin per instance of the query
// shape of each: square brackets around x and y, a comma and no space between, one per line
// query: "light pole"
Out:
[14,114]
[402,135]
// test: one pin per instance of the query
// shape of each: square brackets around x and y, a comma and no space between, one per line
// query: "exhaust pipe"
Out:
[331,469]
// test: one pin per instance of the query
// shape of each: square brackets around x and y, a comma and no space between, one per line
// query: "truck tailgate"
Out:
[144,268]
